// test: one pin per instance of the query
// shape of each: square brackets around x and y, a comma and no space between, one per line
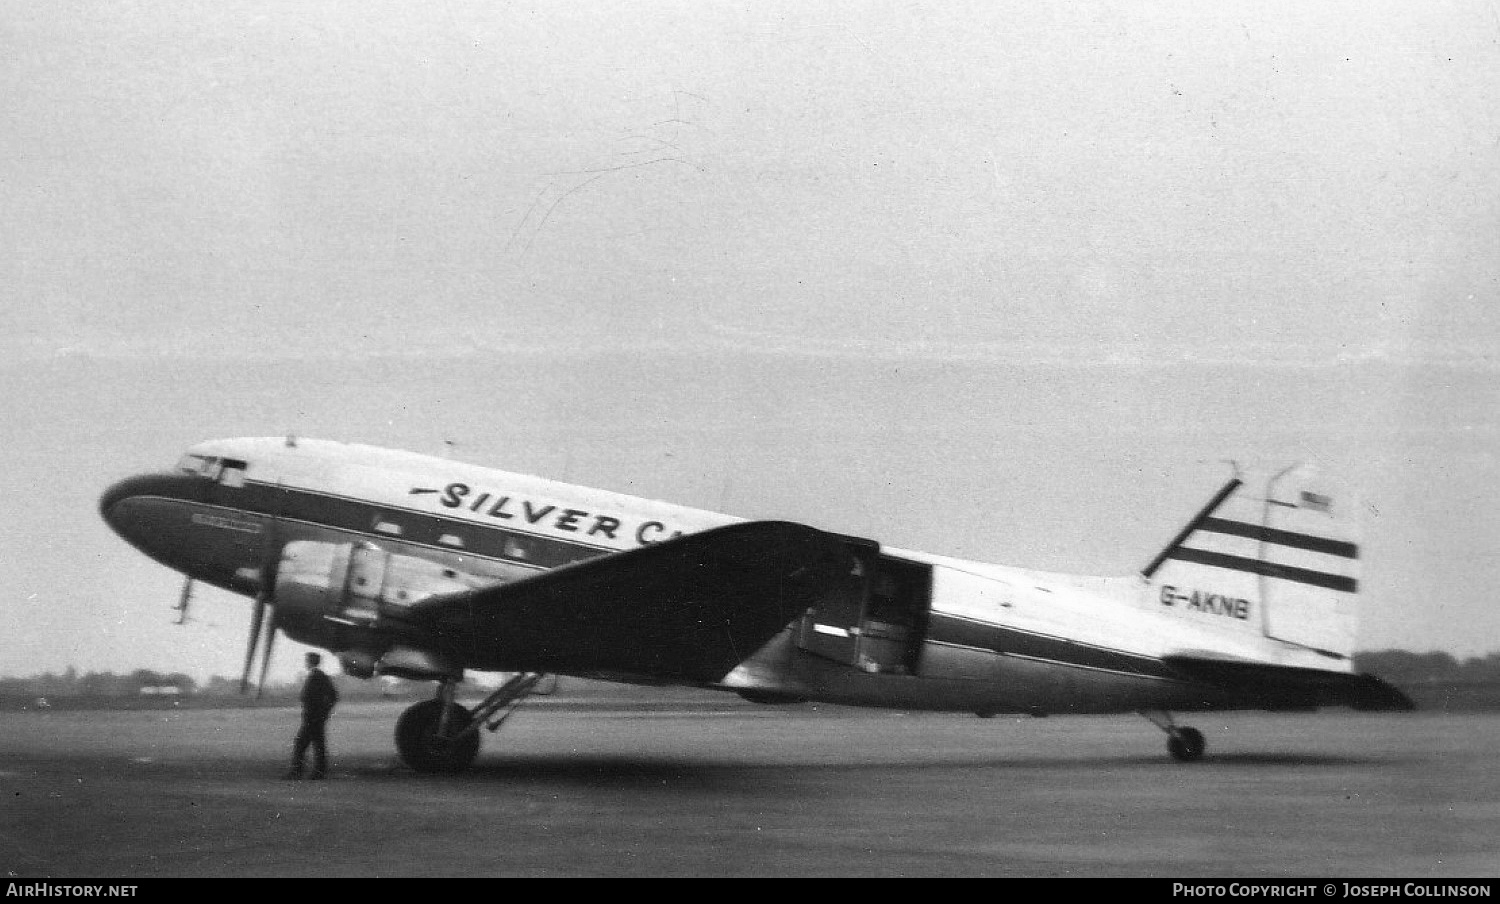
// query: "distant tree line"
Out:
[1404,668]
[146,682]
[99,684]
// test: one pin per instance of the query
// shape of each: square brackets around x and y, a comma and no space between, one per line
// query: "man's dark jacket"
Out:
[318,697]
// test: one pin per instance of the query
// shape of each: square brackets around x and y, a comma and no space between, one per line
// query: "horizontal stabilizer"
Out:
[1267,686]
[688,609]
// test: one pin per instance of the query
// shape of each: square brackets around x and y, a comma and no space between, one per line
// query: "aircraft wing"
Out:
[1284,687]
[688,609]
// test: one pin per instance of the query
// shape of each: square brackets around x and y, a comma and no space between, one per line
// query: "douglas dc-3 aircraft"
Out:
[423,568]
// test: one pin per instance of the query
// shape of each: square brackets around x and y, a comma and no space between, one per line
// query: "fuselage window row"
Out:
[409,526]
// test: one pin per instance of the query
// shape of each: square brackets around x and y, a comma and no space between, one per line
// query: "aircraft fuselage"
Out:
[907,630]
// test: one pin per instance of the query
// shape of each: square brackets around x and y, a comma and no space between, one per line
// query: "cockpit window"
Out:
[201,465]
[233,473]
[228,471]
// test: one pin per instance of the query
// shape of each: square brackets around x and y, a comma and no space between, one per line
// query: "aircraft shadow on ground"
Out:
[594,772]
[627,772]
[1285,759]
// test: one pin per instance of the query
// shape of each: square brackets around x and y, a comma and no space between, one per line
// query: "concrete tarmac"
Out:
[739,790]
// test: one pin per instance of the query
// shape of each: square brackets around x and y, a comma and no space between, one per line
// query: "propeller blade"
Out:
[271,552]
[265,662]
[256,617]
[183,600]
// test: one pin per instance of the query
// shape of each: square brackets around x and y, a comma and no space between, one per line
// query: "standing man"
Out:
[318,699]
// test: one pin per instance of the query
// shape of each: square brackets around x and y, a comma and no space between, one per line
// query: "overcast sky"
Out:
[1003,281]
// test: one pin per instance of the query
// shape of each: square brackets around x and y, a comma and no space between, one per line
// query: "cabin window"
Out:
[385,525]
[581,553]
[517,548]
[452,540]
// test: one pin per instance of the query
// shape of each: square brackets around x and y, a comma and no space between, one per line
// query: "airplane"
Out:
[426,568]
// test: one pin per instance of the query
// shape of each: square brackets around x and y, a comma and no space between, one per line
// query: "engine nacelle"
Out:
[332,595]
[418,665]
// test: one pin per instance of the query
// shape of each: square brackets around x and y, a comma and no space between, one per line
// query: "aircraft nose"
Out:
[109,503]
[120,504]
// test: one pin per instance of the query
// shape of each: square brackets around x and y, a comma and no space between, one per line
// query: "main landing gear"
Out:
[439,735]
[1184,743]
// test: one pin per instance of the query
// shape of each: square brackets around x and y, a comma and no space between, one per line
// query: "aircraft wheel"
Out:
[422,749]
[1185,744]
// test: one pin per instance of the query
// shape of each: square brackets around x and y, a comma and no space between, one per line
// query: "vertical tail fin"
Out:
[1282,562]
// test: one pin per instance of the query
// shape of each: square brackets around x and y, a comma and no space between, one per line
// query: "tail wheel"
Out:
[1185,744]
[423,749]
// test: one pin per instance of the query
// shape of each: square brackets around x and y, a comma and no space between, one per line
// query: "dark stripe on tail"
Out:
[1266,569]
[1281,537]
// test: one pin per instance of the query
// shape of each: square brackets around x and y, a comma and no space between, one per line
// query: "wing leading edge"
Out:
[688,609]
